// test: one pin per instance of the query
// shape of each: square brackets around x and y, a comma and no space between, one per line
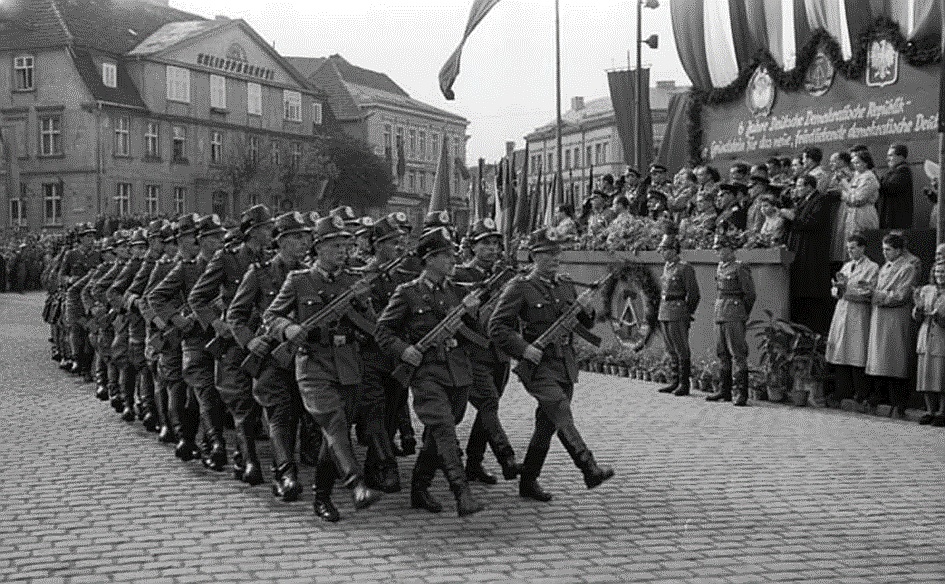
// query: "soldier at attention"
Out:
[678,302]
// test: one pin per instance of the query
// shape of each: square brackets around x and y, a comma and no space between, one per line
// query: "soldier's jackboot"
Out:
[214,456]
[476,472]
[572,441]
[423,472]
[725,388]
[285,482]
[510,466]
[310,440]
[248,466]
[325,475]
[740,389]
[452,465]
[685,369]
[674,384]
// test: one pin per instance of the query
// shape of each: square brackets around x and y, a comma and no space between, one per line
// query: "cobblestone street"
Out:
[703,493]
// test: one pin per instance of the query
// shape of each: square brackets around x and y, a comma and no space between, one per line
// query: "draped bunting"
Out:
[774,27]
[623,96]
[748,30]
[831,16]
[674,149]
[858,20]
[719,45]
[927,21]
[688,31]
[802,30]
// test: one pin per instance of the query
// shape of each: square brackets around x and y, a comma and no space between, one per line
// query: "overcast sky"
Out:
[506,84]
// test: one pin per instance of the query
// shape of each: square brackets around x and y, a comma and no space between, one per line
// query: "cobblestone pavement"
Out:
[703,493]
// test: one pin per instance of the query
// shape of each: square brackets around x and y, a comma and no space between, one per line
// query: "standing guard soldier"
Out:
[490,366]
[209,299]
[276,389]
[383,397]
[121,354]
[199,240]
[156,344]
[443,375]
[328,367]
[736,297]
[678,302]
[537,300]
[137,328]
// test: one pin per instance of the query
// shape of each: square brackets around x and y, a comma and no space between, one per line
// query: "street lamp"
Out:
[653,42]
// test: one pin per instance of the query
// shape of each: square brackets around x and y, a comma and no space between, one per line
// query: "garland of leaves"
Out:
[632,271]
[917,54]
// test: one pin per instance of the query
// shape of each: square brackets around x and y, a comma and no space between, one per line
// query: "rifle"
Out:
[451,323]
[254,362]
[333,311]
[562,326]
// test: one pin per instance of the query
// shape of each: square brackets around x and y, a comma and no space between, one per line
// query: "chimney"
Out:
[666,84]
[577,103]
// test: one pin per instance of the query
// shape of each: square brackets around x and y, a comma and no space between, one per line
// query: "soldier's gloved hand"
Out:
[182,322]
[412,356]
[221,328]
[292,332]
[258,346]
[533,354]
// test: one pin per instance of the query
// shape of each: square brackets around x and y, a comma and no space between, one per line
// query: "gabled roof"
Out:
[28,24]
[173,33]
[365,77]
[306,65]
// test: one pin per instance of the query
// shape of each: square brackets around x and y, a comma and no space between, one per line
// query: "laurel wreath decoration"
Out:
[632,326]
[917,54]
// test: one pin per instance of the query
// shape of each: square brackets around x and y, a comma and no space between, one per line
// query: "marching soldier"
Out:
[93,320]
[199,240]
[276,388]
[736,297]
[490,366]
[328,368]
[383,396]
[75,264]
[127,372]
[441,383]
[106,316]
[209,299]
[537,300]
[678,302]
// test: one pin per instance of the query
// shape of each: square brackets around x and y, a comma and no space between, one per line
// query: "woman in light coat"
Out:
[859,195]
[930,377]
[889,346]
[850,327]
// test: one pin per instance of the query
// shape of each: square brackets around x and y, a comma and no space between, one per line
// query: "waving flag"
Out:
[450,70]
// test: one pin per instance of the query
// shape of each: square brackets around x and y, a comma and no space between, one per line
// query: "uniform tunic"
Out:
[736,297]
[849,333]
[678,302]
[890,321]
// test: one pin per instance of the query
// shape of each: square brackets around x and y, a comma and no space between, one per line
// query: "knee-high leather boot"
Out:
[594,475]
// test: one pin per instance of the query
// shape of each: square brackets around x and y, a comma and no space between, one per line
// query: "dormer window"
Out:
[109,74]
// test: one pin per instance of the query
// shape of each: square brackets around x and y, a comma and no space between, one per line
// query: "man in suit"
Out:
[809,239]
[895,190]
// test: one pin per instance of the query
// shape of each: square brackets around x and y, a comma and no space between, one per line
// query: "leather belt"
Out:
[674,297]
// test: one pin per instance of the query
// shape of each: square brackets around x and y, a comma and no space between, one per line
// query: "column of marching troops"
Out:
[289,328]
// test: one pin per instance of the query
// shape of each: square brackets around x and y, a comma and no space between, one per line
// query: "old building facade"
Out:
[145,115]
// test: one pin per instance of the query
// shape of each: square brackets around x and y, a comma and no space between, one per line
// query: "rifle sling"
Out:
[473,337]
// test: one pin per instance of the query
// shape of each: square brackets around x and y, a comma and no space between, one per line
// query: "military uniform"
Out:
[678,302]
[327,368]
[276,390]
[75,264]
[209,299]
[106,317]
[736,297]
[537,301]
[121,351]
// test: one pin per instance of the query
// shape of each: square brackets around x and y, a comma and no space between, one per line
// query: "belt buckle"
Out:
[339,340]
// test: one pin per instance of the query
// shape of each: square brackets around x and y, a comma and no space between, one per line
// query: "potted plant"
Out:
[756,385]
[775,336]
[808,367]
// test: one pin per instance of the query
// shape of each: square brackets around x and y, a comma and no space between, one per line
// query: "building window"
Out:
[254,99]
[603,152]
[254,149]
[18,208]
[122,136]
[152,194]
[567,159]
[316,114]
[274,153]
[423,146]
[50,135]
[434,146]
[179,144]
[413,143]
[551,161]
[152,140]
[178,84]
[587,159]
[109,75]
[216,147]
[123,198]
[423,182]
[23,73]
[179,194]
[413,181]
[388,146]
[218,91]
[296,155]
[597,158]
[52,203]
[292,105]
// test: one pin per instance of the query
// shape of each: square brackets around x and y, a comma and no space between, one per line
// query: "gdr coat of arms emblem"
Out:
[761,91]
[882,63]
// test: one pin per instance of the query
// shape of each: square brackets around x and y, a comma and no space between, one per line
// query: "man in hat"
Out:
[168,377]
[361,252]
[678,302]
[757,186]
[75,264]
[209,299]
[733,304]
[490,366]
[537,300]
[383,397]
[199,242]
[733,214]
[93,317]
[106,315]
[137,327]
[127,371]
[328,367]
[443,375]
[276,389]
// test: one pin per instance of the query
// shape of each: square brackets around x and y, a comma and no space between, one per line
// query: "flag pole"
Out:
[558,194]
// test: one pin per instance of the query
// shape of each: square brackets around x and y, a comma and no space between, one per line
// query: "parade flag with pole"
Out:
[522,203]
[440,199]
[450,70]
